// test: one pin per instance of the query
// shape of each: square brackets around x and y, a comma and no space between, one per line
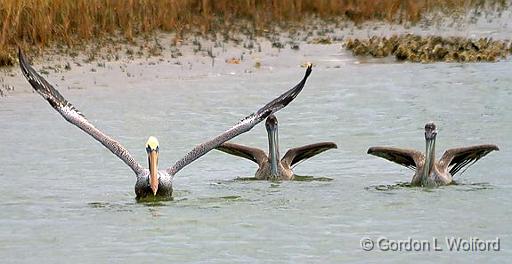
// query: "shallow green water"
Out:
[64,198]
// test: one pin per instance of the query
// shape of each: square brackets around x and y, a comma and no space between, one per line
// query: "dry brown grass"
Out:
[36,24]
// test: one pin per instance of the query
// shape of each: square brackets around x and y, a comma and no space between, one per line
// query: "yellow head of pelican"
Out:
[152,150]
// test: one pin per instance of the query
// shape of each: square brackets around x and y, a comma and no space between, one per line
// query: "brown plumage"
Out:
[280,169]
[428,171]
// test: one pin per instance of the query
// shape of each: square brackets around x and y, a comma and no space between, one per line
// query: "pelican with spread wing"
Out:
[152,182]
[428,171]
[270,167]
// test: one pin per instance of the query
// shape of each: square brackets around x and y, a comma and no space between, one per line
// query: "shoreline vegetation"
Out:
[71,25]
[428,49]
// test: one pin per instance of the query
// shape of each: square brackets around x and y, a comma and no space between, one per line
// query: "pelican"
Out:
[270,167]
[152,182]
[428,171]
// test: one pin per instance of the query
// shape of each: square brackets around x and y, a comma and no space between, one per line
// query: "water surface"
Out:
[64,198]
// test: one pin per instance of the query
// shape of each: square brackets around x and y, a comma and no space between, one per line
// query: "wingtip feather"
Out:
[23,61]
[20,53]
[309,69]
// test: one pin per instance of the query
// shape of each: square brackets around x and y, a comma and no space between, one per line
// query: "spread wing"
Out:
[295,155]
[457,158]
[254,154]
[72,115]
[243,126]
[406,157]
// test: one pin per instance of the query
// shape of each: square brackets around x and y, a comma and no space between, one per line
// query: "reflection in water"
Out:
[296,178]
[228,198]
[389,187]
[469,187]
[159,201]
[311,178]
[119,207]
[154,200]
[407,185]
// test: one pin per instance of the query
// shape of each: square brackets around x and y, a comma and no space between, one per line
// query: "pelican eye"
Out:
[149,149]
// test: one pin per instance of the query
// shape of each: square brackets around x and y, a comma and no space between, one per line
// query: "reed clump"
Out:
[36,24]
[427,49]
[6,59]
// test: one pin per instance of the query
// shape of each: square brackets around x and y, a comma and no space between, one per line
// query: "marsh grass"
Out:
[35,24]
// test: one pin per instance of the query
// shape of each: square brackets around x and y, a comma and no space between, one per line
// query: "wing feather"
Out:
[243,126]
[253,154]
[72,115]
[457,158]
[295,155]
[406,157]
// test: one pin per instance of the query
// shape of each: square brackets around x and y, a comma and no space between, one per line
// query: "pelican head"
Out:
[271,122]
[430,131]
[152,150]
[273,144]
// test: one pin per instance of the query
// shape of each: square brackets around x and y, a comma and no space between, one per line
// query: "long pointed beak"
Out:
[153,171]
[428,150]
[273,151]
[429,154]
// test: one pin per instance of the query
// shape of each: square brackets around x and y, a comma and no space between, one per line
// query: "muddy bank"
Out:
[165,57]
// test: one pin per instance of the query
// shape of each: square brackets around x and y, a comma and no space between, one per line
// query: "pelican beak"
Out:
[274,152]
[153,170]
[273,141]
[430,137]
[431,141]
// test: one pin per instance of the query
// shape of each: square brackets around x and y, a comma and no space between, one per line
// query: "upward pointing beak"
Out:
[153,171]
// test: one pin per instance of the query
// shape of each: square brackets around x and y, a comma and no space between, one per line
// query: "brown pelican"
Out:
[429,172]
[270,167]
[152,181]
